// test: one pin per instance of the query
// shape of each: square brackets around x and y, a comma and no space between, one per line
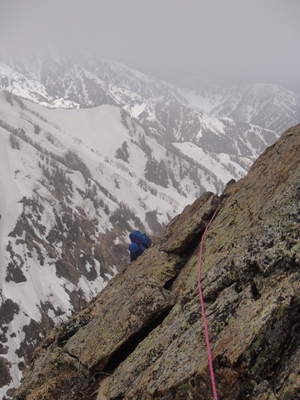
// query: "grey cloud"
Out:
[230,41]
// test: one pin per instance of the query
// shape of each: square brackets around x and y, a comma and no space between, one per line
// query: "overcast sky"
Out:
[234,41]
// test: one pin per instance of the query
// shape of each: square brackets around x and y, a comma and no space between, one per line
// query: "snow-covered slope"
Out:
[74,183]
[90,150]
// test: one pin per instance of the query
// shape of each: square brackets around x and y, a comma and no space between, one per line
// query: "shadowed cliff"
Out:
[143,336]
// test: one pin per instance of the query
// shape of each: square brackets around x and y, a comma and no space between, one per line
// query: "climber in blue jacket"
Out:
[136,250]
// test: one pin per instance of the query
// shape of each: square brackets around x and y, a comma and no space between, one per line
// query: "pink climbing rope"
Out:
[209,356]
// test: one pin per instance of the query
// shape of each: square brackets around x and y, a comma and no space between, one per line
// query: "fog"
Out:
[220,41]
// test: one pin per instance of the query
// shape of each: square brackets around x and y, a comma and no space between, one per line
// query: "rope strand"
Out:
[209,356]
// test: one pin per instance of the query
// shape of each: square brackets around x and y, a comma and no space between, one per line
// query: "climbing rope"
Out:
[209,356]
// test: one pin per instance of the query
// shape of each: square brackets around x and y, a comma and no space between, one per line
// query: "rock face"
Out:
[143,336]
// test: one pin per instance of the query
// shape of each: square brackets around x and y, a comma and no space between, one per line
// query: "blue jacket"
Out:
[135,250]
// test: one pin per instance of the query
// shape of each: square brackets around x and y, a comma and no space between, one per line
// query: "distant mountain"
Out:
[264,105]
[240,122]
[91,149]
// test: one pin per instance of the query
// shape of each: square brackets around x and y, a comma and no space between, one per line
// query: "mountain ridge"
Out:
[79,176]
[142,337]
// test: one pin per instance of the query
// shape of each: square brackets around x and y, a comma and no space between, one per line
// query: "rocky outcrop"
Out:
[143,336]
